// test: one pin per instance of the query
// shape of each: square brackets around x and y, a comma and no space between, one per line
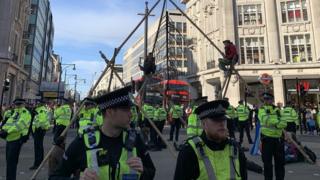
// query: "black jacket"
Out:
[74,158]
[187,167]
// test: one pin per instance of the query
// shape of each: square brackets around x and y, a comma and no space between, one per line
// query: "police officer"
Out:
[211,155]
[148,110]
[231,118]
[89,116]
[289,114]
[112,151]
[176,113]
[243,118]
[194,125]
[15,132]
[160,116]
[62,116]
[40,125]
[272,138]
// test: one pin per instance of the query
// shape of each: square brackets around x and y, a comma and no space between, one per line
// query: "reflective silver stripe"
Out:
[270,127]
[94,162]
[206,160]
[193,126]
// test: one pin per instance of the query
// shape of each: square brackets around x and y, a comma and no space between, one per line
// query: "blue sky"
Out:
[83,27]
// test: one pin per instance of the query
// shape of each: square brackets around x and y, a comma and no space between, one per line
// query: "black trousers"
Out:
[57,132]
[273,147]
[153,134]
[38,137]
[159,140]
[244,125]
[12,157]
[175,126]
[291,127]
[230,126]
[156,140]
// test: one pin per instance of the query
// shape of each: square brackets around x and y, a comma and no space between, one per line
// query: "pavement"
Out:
[164,161]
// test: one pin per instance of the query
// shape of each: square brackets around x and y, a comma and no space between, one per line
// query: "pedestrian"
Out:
[230,59]
[15,132]
[272,138]
[40,125]
[111,151]
[62,116]
[311,124]
[243,118]
[176,113]
[212,155]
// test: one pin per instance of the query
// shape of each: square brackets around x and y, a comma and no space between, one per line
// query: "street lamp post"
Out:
[75,86]
[61,70]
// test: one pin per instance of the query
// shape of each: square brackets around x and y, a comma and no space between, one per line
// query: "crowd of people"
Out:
[115,135]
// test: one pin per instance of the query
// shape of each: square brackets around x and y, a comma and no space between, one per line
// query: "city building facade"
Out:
[38,59]
[177,59]
[102,87]
[277,37]
[14,17]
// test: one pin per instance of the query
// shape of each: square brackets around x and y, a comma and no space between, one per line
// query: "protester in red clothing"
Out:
[231,56]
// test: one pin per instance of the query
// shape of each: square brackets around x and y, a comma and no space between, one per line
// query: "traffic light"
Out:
[6,85]
[303,91]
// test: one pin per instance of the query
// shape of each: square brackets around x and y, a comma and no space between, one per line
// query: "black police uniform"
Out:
[74,158]
[187,167]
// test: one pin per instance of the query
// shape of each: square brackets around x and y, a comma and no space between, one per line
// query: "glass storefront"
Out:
[310,98]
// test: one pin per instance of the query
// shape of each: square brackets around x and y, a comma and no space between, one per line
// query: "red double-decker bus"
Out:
[158,90]
[175,90]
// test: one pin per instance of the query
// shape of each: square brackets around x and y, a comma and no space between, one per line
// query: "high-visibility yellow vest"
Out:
[219,165]
[18,124]
[231,112]
[160,114]
[289,114]
[176,111]
[194,124]
[104,171]
[243,112]
[7,114]
[63,115]
[89,118]
[41,119]
[148,111]
[318,119]
[271,123]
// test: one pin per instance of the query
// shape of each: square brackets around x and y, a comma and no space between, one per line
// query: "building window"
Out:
[34,8]
[184,27]
[294,11]
[179,27]
[252,50]
[298,48]
[249,14]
